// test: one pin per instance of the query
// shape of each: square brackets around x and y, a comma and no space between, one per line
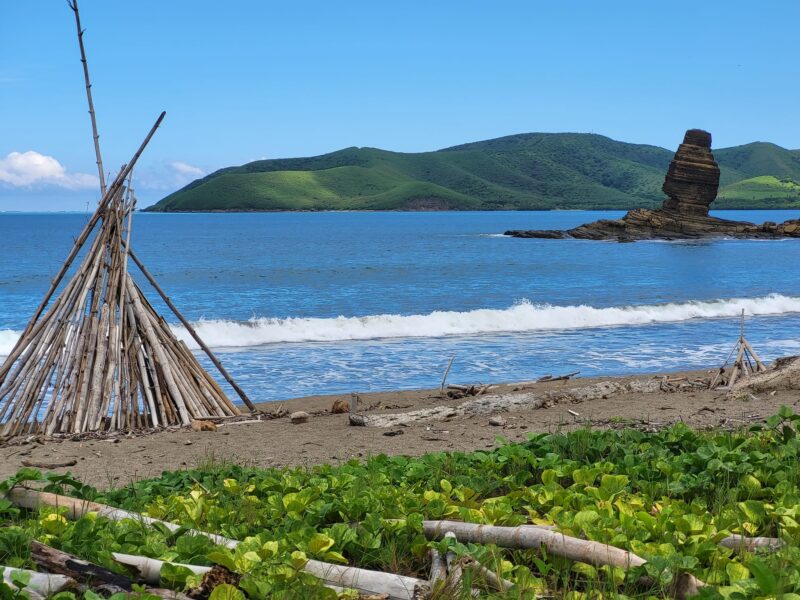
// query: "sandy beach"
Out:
[328,438]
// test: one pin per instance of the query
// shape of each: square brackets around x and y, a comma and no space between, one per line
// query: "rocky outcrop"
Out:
[692,180]
[691,185]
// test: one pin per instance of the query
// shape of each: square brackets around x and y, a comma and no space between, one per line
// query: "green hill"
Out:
[531,171]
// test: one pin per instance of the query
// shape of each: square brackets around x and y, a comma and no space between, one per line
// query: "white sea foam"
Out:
[521,317]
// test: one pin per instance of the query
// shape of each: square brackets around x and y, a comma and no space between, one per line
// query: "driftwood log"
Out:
[532,537]
[40,585]
[741,543]
[397,587]
[55,561]
[88,575]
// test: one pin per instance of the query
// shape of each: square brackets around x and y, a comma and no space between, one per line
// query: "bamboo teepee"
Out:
[98,357]
[746,363]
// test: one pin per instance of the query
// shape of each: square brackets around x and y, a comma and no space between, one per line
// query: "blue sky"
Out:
[242,80]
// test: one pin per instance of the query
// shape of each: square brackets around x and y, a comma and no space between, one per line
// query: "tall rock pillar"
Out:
[692,180]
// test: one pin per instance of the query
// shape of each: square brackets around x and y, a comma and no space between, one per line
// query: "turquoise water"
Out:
[307,303]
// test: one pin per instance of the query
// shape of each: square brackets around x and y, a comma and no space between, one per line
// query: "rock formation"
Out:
[692,180]
[691,185]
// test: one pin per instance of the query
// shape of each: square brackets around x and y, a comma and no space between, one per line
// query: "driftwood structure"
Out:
[95,356]
[746,363]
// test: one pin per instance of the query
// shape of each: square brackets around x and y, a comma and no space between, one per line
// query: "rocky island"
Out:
[691,185]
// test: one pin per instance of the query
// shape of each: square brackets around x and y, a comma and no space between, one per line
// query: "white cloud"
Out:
[29,169]
[168,176]
[181,168]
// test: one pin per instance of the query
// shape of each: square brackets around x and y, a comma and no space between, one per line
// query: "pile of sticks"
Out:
[100,358]
[97,356]
[747,362]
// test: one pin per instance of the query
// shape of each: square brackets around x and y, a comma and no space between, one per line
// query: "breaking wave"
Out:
[521,317]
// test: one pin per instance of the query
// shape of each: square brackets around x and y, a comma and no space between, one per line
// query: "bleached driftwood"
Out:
[741,543]
[40,585]
[783,374]
[529,536]
[497,582]
[492,403]
[398,587]
[149,569]
[32,499]
[438,567]
[532,537]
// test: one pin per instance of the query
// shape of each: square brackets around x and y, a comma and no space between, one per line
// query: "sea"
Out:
[299,304]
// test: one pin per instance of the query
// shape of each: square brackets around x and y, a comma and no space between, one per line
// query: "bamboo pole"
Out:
[73,4]
[192,331]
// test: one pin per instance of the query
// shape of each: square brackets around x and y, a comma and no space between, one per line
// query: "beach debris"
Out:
[557,377]
[783,374]
[497,421]
[39,585]
[447,372]
[393,432]
[456,392]
[298,417]
[357,420]
[489,404]
[573,413]
[398,587]
[340,406]
[198,425]
[532,537]
[746,363]
[95,355]
[36,464]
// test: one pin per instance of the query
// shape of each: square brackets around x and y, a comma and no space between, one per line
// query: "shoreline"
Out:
[328,438]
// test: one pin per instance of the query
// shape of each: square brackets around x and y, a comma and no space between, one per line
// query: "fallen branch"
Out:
[40,585]
[46,465]
[56,561]
[438,567]
[532,537]
[149,569]
[741,543]
[397,587]
[498,583]
[557,377]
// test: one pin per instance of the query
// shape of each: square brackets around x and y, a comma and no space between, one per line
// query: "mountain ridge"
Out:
[528,171]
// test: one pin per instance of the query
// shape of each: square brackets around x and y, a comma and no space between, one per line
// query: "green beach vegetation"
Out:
[670,497]
[535,171]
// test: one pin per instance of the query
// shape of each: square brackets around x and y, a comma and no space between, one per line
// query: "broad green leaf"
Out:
[226,591]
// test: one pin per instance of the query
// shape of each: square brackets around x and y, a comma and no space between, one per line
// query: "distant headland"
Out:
[532,171]
[691,185]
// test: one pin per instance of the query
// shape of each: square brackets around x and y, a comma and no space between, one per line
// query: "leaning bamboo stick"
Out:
[158,351]
[192,331]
